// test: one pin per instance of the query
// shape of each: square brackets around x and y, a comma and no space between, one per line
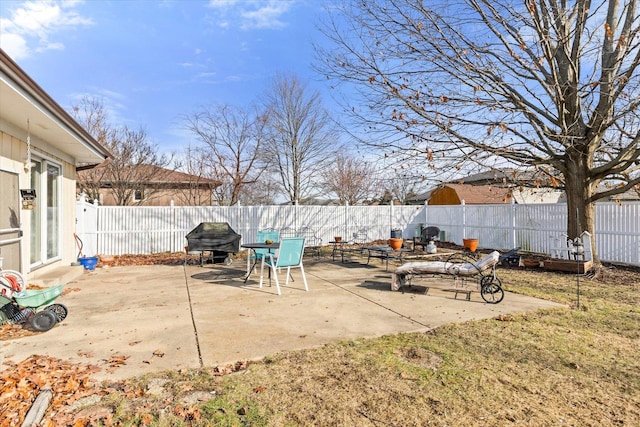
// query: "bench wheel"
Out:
[43,321]
[491,289]
[59,310]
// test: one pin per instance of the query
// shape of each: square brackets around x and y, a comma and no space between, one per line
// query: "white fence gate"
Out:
[117,230]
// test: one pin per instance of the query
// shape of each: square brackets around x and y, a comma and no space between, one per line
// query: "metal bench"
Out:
[312,243]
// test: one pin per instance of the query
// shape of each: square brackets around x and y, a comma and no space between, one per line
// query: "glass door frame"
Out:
[46,220]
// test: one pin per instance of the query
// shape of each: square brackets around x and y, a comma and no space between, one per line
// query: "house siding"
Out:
[13,153]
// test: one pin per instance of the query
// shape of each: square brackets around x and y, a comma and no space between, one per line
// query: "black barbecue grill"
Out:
[218,238]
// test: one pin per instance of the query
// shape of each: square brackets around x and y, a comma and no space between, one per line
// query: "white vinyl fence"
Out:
[540,228]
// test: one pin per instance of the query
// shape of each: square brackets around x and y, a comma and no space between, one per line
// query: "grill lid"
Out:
[210,236]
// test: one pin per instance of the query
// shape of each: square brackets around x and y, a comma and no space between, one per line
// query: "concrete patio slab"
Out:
[173,317]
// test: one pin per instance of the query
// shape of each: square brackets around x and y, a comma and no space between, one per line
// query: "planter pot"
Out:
[395,243]
[471,244]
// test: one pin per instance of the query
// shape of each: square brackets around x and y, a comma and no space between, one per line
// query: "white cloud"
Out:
[222,4]
[32,26]
[15,45]
[266,16]
[251,14]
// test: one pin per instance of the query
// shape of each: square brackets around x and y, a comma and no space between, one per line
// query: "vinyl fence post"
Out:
[464,219]
[426,215]
[391,216]
[172,228]
[346,220]
[513,223]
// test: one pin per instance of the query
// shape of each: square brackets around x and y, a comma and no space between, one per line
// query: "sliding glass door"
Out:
[45,217]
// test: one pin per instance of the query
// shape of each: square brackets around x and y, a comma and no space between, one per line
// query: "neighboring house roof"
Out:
[453,194]
[510,177]
[169,176]
[155,176]
[499,186]
[22,99]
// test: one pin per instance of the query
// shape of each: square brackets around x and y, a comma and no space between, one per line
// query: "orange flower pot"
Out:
[471,244]
[395,243]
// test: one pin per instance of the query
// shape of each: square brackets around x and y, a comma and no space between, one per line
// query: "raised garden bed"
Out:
[568,265]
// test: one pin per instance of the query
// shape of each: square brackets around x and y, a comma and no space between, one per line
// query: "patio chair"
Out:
[289,256]
[258,254]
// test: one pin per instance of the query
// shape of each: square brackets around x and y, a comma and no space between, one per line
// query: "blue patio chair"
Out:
[289,256]
[257,254]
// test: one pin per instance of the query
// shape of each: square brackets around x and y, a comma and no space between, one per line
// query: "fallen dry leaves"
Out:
[9,332]
[240,365]
[116,361]
[166,258]
[21,382]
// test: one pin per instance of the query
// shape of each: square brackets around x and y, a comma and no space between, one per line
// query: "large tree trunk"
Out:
[580,207]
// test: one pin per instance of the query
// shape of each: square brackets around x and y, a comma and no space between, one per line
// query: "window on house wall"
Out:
[138,195]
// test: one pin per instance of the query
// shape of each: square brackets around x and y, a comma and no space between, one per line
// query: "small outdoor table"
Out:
[253,247]
[385,253]
[337,247]
[342,248]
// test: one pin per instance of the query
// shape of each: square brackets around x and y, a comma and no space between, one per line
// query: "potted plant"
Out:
[470,244]
[395,243]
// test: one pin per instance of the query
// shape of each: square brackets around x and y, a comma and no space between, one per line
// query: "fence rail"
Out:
[117,230]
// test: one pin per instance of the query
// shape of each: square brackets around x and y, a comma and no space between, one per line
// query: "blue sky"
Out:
[153,61]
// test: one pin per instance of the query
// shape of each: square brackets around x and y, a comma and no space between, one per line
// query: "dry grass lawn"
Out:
[573,366]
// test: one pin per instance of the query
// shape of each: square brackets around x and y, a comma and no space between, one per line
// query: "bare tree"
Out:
[92,114]
[547,84]
[234,139]
[301,136]
[399,187]
[135,168]
[200,190]
[349,178]
[261,192]
[135,164]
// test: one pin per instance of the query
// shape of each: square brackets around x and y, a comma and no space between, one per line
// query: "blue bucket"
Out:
[89,263]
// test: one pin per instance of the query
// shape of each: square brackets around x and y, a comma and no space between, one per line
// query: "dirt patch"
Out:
[420,357]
